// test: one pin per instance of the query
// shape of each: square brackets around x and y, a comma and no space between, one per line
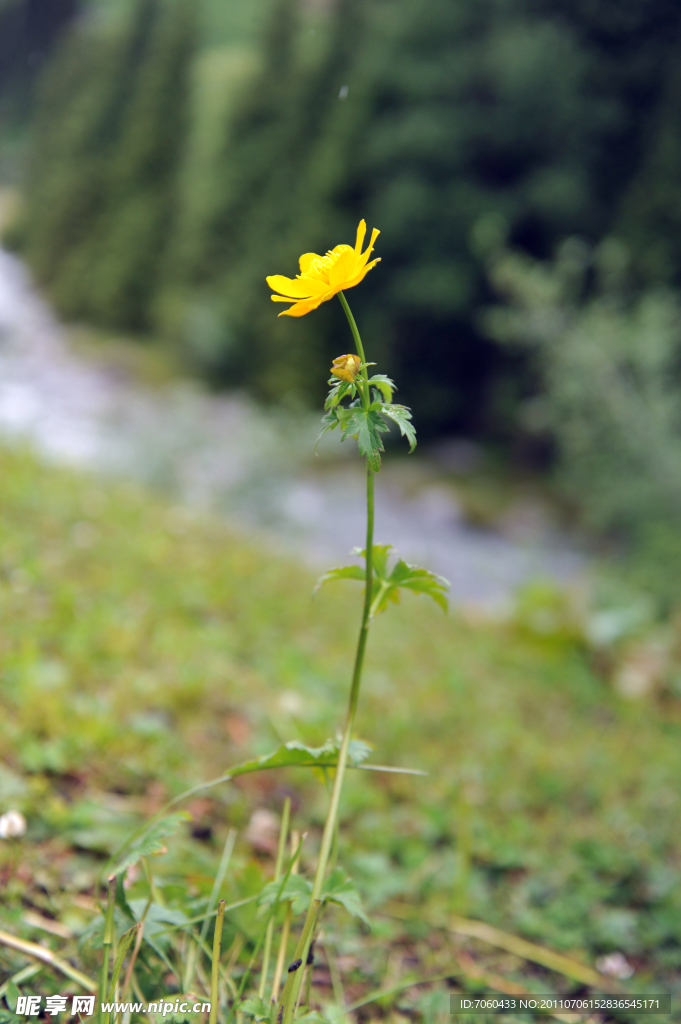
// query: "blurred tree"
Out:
[103,188]
[608,393]
[169,178]
[637,43]
[651,213]
[29,30]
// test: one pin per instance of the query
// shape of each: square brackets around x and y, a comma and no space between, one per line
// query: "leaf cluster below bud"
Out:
[366,424]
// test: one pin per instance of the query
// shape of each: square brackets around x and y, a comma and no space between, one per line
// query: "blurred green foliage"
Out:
[127,127]
[185,150]
[28,32]
[150,649]
[607,394]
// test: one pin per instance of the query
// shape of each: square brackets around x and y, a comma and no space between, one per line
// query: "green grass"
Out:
[145,649]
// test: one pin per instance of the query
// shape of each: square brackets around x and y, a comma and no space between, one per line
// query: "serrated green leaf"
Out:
[402,417]
[339,390]
[151,841]
[340,889]
[387,583]
[358,751]
[380,553]
[297,755]
[155,931]
[291,755]
[330,422]
[366,425]
[255,1007]
[156,916]
[313,1017]
[345,572]
[409,577]
[296,891]
[421,581]
[385,385]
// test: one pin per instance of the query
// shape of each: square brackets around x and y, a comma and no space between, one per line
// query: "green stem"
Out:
[108,943]
[215,967]
[283,835]
[217,885]
[292,987]
[375,604]
[295,976]
[330,825]
[364,388]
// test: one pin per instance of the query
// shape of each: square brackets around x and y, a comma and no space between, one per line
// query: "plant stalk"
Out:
[32,949]
[283,834]
[108,943]
[215,971]
[295,973]
[194,948]
[136,948]
[364,389]
[291,990]
[329,827]
[286,928]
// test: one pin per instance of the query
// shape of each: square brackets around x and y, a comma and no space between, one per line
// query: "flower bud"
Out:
[346,367]
[12,825]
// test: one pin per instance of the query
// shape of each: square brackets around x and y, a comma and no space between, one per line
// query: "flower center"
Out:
[320,268]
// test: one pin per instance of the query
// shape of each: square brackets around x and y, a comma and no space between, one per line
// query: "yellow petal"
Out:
[306,259]
[289,286]
[361,274]
[307,305]
[343,269]
[297,287]
[299,309]
[370,248]
[361,232]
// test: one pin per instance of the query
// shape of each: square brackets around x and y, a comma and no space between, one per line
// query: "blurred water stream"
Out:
[226,454]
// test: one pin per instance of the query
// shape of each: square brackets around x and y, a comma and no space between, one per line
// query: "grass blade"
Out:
[564,965]
[215,968]
[48,957]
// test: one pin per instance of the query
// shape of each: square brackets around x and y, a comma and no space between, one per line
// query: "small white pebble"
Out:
[12,825]
[262,831]
[616,965]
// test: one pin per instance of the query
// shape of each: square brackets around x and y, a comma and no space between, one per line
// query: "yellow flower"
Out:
[346,367]
[322,277]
